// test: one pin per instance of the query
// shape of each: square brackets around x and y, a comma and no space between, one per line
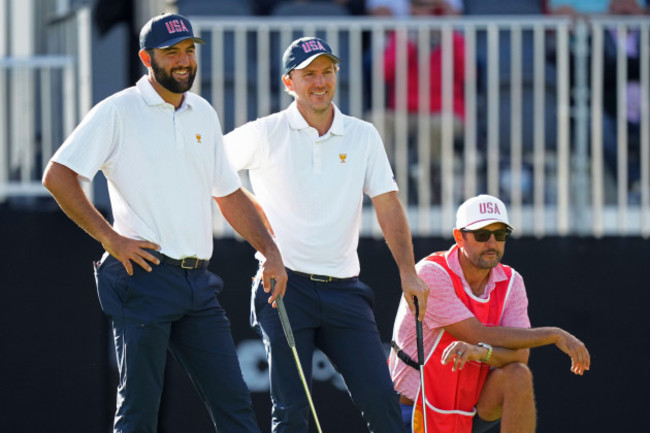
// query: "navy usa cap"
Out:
[303,51]
[165,30]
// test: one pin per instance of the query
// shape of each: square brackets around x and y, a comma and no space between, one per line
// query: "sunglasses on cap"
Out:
[483,235]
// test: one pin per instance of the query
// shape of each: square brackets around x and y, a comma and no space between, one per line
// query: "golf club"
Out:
[286,326]
[420,342]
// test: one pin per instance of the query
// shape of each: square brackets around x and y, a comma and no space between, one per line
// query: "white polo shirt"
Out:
[310,187]
[162,165]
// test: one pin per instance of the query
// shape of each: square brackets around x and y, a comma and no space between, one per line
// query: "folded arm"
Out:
[512,344]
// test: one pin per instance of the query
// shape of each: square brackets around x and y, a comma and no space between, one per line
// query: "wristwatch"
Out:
[486,358]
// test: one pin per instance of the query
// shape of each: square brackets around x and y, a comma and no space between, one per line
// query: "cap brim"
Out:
[480,224]
[308,61]
[172,42]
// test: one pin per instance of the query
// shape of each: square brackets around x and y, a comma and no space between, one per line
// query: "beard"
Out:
[485,263]
[166,79]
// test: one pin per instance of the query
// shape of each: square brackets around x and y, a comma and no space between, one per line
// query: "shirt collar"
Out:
[152,97]
[296,121]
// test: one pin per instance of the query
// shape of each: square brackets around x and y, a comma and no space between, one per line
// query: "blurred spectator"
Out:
[633,89]
[634,97]
[264,7]
[427,8]
[396,8]
[404,8]
[575,8]
[356,7]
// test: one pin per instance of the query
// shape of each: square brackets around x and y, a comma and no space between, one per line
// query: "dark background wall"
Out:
[56,359]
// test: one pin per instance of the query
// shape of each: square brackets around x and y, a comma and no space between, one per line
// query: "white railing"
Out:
[43,97]
[533,112]
[625,215]
[528,112]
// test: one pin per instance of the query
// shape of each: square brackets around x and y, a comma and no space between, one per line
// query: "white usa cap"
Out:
[481,211]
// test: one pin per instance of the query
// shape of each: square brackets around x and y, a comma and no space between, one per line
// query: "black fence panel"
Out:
[58,368]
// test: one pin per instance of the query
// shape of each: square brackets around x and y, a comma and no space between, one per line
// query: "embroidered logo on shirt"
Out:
[198,138]
[342,157]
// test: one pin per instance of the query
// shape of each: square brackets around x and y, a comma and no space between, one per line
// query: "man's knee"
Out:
[512,382]
[515,375]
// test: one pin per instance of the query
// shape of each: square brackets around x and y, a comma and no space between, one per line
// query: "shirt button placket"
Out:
[178,136]
[317,153]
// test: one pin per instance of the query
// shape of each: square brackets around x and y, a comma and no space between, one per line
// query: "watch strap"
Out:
[487,357]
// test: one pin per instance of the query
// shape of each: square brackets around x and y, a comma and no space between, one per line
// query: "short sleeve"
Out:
[92,144]
[226,179]
[244,145]
[379,178]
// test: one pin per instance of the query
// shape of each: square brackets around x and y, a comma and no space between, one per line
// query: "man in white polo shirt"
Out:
[161,149]
[476,334]
[309,167]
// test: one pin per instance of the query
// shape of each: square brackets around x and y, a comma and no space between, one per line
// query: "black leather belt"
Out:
[185,263]
[322,278]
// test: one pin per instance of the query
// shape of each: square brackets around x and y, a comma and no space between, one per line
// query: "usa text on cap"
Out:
[303,51]
[481,211]
[166,30]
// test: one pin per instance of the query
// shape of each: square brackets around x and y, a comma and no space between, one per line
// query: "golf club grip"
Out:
[418,331]
[284,319]
[420,341]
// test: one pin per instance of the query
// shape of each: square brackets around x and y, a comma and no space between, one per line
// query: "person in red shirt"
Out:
[414,95]
[476,334]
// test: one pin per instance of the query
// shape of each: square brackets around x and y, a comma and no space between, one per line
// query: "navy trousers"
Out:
[338,319]
[176,310]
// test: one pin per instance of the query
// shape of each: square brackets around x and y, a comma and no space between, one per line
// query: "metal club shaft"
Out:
[286,326]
